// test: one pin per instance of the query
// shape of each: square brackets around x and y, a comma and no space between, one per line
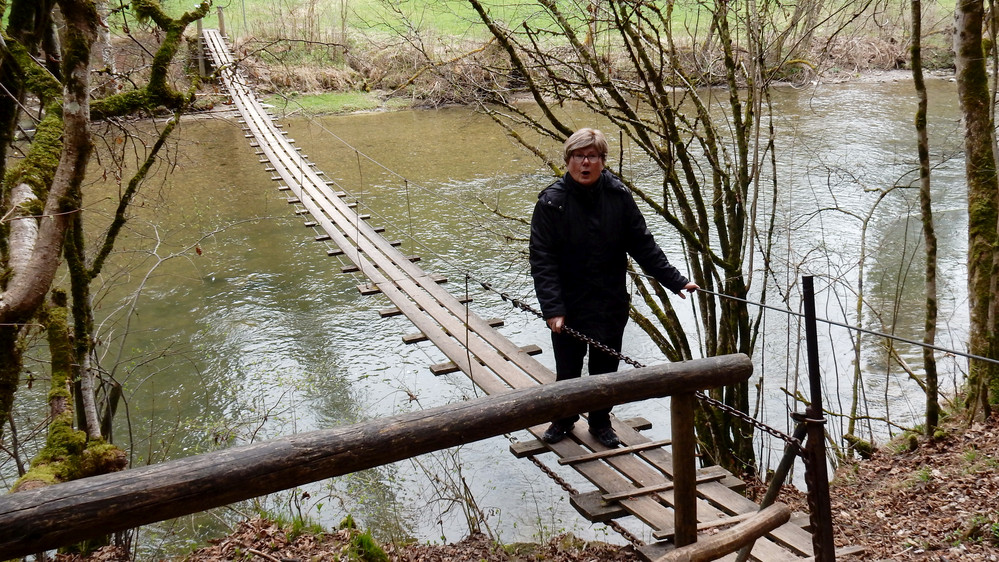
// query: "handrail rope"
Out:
[849,327]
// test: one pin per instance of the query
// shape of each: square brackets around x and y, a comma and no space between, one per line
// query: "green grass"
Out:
[330,102]
[448,17]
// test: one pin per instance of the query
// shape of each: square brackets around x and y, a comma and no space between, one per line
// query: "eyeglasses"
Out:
[591,157]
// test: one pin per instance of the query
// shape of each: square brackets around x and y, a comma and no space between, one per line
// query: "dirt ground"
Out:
[939,502]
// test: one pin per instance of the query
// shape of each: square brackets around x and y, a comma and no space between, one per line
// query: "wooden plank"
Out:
[657,550]
[662,459]
[394,311]
[355,269]
[656,488]
[614,452]
[420,336]
[372,288]
[521,449]
[731,540]
[450,367]
[339,252]
[591,506]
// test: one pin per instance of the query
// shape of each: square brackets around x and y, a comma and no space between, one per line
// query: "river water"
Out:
[227,323]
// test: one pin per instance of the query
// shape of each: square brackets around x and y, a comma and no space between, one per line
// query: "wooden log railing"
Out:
[727,542]
[62,514]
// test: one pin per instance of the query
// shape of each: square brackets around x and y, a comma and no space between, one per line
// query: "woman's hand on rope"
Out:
[689,287]
[556,323]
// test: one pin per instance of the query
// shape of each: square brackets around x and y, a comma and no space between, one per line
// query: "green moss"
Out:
[157,91]
[63,441]
[43,474]
[863,448]
[364,548]
[101,458]
[38,168]
[35,78]
[121,104]
[67,455]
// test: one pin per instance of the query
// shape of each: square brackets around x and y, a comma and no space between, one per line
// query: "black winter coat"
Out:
[580,239]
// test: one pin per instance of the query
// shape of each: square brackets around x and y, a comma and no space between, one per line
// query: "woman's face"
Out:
[585,166]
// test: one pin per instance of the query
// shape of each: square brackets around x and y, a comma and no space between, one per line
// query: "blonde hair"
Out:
[585,138]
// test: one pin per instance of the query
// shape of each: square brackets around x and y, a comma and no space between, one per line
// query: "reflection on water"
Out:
[260,335]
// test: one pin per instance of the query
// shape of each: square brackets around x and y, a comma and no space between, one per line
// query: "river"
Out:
[226,322]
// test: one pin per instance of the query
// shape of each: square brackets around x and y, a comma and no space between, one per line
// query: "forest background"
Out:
[437,54]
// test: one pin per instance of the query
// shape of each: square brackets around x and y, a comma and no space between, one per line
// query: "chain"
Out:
[628,536]
[753,421]
[615,353]
[520,304]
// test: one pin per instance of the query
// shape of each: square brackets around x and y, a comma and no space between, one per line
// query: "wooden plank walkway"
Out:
[632,480]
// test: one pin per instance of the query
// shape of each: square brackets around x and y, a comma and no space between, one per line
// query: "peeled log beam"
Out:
[727,542]
[61,514]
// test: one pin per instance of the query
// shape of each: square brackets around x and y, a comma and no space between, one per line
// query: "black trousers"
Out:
[569,354]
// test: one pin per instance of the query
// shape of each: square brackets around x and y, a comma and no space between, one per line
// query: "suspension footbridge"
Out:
[634,480]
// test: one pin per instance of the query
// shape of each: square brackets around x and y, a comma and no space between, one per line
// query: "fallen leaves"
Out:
[935,503]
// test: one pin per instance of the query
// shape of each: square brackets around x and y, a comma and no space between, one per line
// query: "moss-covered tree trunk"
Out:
[983,197]
[68,454]
[929,233]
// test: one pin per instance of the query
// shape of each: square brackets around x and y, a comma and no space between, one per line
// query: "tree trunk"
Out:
[929,235]
[983,190]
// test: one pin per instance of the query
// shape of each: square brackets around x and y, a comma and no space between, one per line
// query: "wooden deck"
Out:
[633,480]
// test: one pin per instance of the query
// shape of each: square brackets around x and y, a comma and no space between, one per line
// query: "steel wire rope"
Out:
[357,215]
[856,328]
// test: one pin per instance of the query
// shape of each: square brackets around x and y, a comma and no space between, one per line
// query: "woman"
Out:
[584,227]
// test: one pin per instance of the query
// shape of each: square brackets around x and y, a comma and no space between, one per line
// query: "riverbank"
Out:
[295,104]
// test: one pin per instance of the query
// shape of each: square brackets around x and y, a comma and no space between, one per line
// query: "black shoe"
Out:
[555,433]
[606,436]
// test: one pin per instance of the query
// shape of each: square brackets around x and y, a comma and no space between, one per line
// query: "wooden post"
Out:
[61,514]
[684,469]
[817,476]
[221,22]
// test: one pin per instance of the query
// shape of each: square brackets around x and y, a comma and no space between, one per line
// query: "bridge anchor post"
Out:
[684,469]
[816,472]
